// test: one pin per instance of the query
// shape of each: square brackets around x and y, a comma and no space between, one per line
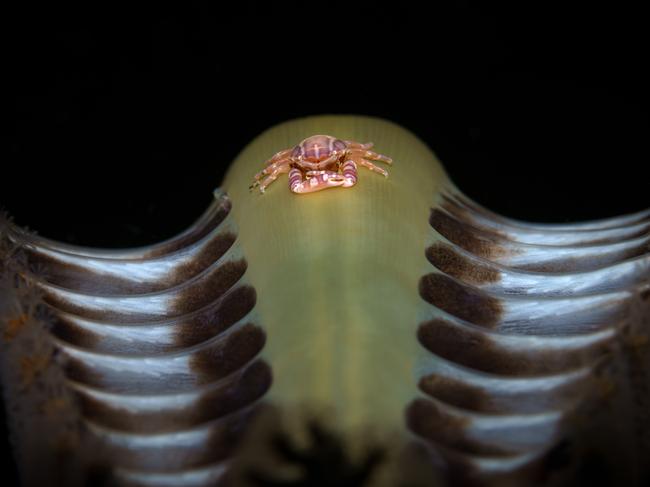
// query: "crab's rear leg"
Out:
[271,167]
[365,163]
[368,154]
[278,156]
[358,145]
[280,169]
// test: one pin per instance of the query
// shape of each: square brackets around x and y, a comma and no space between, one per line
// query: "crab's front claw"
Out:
[330,178]
[326,175]
[314,181]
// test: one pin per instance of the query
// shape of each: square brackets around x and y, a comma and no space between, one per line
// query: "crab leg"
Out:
[271,167]
[363,162]
[315,180]
[368,154]
[358,145]
[283,154]
[272,177]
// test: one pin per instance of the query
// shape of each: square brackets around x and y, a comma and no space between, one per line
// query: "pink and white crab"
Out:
[320,162]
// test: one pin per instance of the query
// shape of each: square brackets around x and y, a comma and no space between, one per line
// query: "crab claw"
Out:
[315,181]
[325,175]
[325,178]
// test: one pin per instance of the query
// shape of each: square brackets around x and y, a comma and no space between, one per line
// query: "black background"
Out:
[123,120]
